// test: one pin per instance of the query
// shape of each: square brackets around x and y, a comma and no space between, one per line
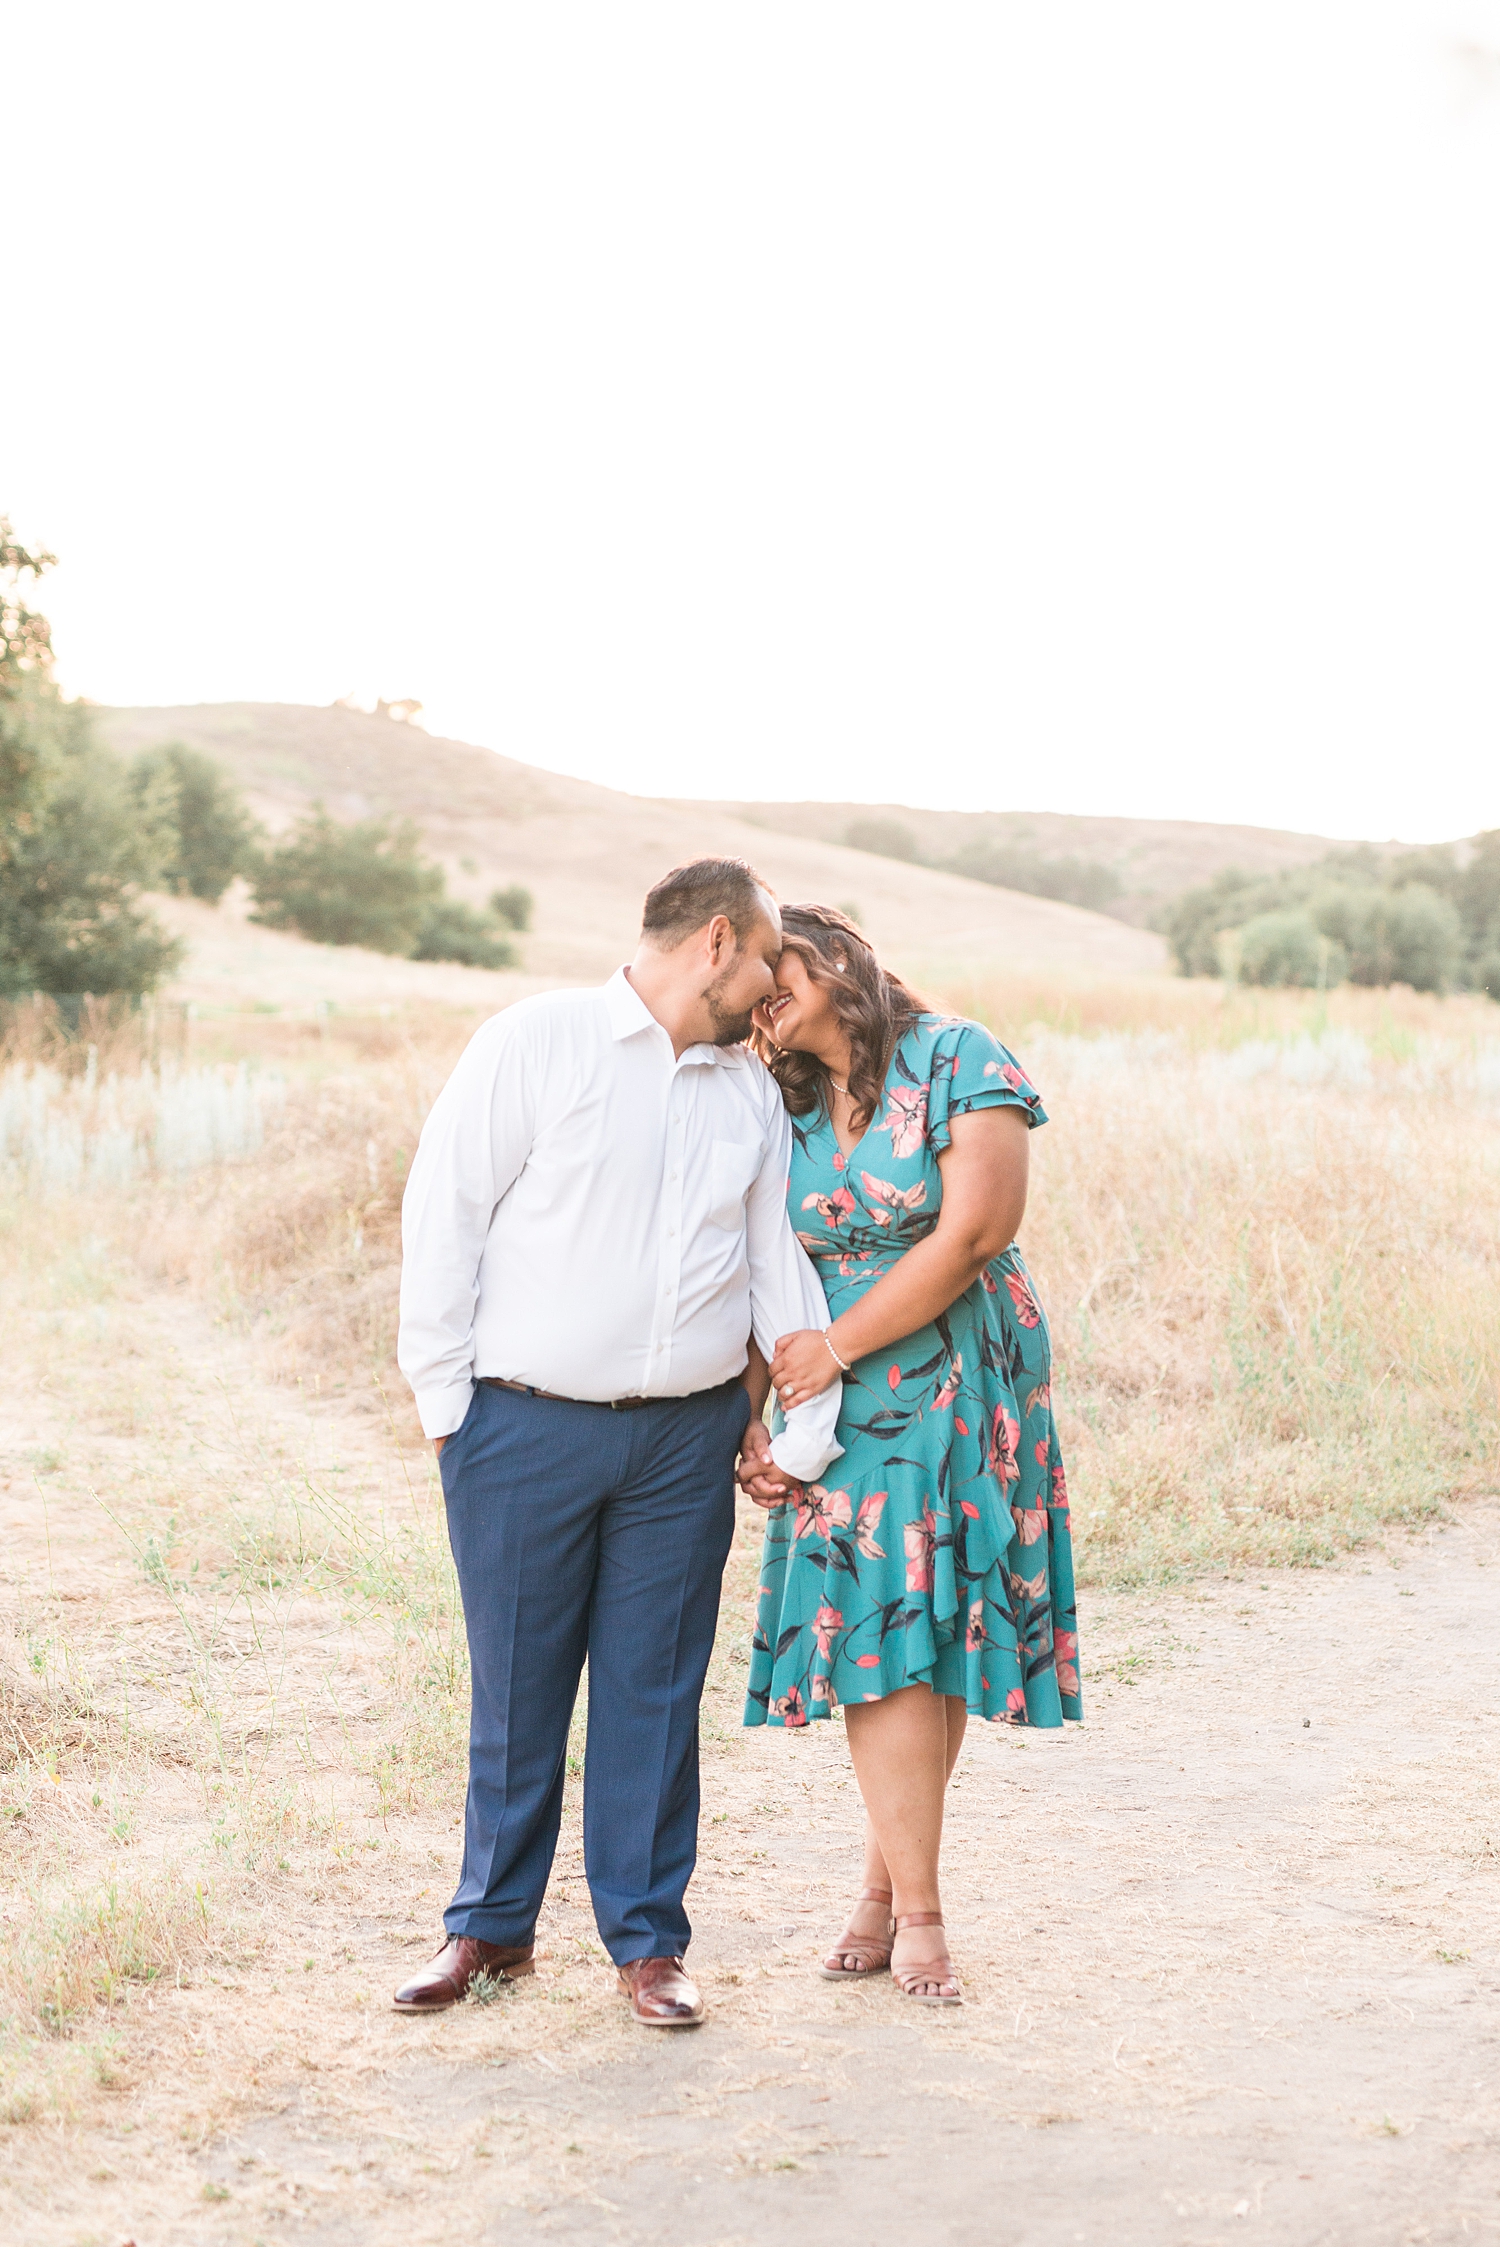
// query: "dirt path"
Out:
[1232,1953]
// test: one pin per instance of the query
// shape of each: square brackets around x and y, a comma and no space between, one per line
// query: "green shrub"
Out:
[1073,881]
[77,847]
[1407,935]
[1280,949]
[76,844]
[514,906]
[212,833]
[453,931]
[361,884]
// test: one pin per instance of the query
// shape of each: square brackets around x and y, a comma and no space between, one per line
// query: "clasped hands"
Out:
[802,1368]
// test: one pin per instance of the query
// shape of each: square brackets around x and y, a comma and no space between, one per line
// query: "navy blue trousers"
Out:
[578,1531]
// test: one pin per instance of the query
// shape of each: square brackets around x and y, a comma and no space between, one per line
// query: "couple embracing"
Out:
[751,1167]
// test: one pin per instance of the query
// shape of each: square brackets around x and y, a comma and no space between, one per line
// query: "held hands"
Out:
[759,1476]
[803,1367]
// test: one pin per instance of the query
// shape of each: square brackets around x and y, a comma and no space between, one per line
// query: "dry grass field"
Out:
[1218,1943]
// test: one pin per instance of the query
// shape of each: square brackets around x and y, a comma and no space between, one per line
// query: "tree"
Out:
[1073,881]
[1288,948]
[212,833]
[1407,935]
[454,931]
[362,884]
[1197,919]
[514,906]
[25,637]
[75,853]
[77,846]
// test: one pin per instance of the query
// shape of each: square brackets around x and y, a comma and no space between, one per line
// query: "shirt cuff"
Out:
[803,1454]
[442,1410]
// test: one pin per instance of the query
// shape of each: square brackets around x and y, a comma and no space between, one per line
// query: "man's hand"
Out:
[802,1368]
[759,1476]
[437,1444]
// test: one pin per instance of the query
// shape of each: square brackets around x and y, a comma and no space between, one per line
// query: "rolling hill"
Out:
[590,853]
[1154,859]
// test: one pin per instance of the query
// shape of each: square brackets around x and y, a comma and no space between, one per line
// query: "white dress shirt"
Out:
[589,1214]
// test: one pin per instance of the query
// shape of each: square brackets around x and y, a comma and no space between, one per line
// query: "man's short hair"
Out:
[688,898]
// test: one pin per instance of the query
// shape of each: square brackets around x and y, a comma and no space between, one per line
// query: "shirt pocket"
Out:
[733,1167]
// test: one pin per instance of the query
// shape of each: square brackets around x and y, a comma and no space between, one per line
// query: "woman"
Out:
[936,1578]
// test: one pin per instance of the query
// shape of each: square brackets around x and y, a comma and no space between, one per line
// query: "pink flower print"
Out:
[1015,1705]
[906,1118]
[974,1637]
[1031,1523]
[820,1512]
[841,1161]
[1040,1450]
[825,1623]
[949,1389]
[893,1197]
[832,1208]
[1066,1646]
[1023,1299]
[1012,1076]
[812,1242]
[965,1507]
[1060,1488]
[961,1425]
[1003,1442]
[921,1542]
[1029,1587]
[1040,1400]
[790,1709]
[893,1377]
[822,1690]
[867,1661]
[987,1281]
[867,1521]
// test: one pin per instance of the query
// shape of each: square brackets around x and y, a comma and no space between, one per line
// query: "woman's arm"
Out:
[984,1174]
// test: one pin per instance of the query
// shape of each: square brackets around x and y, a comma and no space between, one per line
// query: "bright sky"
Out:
[1086,407]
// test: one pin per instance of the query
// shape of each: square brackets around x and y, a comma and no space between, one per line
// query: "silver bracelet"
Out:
[833,1353]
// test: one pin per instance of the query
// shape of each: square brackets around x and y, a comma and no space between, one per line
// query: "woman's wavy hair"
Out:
[874,1006]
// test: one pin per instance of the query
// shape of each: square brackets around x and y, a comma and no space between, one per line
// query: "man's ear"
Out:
[720,937]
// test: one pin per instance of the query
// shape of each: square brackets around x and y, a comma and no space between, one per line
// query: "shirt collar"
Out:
[628,1012]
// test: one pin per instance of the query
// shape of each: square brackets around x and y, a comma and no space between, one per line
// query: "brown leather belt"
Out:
[600,1404]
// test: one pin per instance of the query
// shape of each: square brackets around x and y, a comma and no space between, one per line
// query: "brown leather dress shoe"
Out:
[447,1979]
[660,1994]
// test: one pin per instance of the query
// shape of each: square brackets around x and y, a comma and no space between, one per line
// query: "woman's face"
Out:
[800,1015]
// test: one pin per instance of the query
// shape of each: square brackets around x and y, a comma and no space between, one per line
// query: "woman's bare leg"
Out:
[904,1749]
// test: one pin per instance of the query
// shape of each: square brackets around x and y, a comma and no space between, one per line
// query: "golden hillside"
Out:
[589,853]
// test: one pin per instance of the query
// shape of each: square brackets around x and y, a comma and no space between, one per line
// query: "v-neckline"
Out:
[846,1154]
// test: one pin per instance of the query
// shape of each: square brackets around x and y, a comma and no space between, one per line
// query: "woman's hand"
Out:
[759,1476]
[802,1368]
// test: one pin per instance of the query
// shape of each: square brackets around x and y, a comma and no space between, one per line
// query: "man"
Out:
[594,1224]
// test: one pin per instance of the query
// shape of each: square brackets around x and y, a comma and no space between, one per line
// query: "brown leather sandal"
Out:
[874,1957]
[907,1978]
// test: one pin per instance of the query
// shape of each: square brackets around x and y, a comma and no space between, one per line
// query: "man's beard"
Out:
[730,1027]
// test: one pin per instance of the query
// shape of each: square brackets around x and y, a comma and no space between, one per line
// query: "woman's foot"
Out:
[865,1945]
[920,1964]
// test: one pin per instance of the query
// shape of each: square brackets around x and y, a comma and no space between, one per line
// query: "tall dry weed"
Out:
[1273,1277]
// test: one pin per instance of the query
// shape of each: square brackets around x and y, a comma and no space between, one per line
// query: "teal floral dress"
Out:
[944,1556]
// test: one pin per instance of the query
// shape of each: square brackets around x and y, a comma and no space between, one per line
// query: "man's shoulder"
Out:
[753,1081]
[543,1011]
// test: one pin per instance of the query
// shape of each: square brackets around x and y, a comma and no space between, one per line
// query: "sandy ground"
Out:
[1231,1948]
